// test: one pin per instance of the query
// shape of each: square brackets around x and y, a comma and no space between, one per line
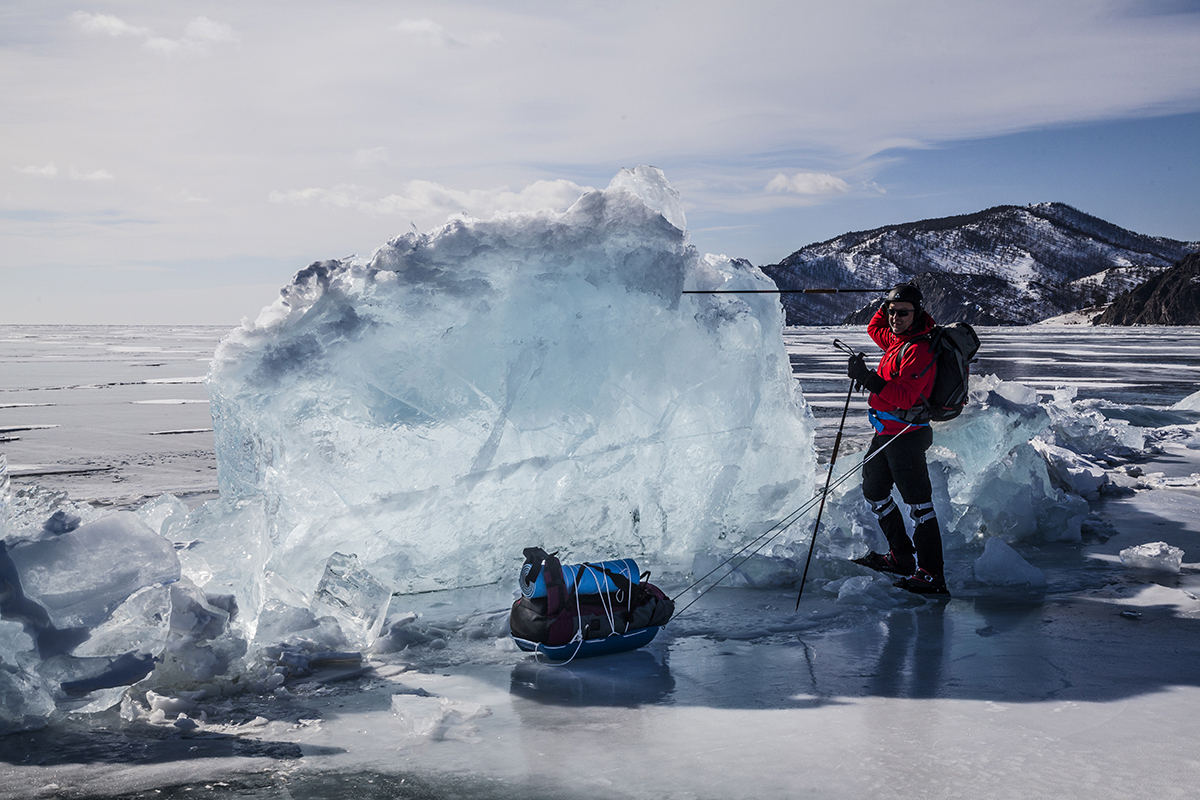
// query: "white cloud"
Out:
[107,23]
[98,175]
[808,183]
[430,32]
[48,171]
[726,97]
[203,29]
[431,202]
[198,35]
[51,171]
[344,196]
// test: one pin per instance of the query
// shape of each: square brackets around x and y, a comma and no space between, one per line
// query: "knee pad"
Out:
[883,507]
[921,512]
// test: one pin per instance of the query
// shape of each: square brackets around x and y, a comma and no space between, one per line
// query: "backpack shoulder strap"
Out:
[931,337]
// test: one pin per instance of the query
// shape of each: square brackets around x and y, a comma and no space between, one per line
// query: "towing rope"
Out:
[786,522]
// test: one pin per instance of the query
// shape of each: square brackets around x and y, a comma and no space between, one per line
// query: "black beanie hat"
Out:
[905,293]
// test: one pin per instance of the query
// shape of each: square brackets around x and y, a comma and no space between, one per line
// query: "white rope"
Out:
[790,519]
[606,603]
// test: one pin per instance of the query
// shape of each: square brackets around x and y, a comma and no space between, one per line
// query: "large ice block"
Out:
[537,378]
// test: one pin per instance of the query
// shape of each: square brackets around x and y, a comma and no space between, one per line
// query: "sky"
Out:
[176,163]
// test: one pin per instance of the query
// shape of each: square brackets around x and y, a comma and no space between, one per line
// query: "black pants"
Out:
[902,464]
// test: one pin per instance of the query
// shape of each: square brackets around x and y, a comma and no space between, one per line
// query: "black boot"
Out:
[927,537]
[887,563]
[922,582]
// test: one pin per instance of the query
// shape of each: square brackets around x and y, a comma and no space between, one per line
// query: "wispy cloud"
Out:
[432,33]
[198,36]
[48,171]
[51,171]
[808,183]
[107,23]
[98,175]
[427,200]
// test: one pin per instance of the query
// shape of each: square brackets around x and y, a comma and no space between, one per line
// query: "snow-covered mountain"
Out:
[1169,298]
[1004,265]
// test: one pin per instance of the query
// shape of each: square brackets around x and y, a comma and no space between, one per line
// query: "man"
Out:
[899,413]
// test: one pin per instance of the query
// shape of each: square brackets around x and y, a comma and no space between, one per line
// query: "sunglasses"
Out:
[899,312]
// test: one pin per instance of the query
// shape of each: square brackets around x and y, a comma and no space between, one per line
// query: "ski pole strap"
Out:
[876,417]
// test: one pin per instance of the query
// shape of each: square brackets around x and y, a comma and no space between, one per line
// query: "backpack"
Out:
[954,347]
[561,614]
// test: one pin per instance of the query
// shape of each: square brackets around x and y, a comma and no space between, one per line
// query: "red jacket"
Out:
[909,379]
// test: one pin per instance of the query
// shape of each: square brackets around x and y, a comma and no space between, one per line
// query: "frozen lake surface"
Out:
[112,415]
[1090,689]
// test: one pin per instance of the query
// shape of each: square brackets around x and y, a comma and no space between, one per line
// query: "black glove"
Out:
[864,378]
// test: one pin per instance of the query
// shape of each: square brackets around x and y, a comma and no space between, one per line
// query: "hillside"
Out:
[1170,298]
[1007,265]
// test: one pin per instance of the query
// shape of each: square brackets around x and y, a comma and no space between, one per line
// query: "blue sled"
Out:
[617,643]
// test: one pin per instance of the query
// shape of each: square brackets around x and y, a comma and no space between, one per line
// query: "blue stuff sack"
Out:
[591,577]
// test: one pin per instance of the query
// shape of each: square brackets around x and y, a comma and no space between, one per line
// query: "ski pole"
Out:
[778,291]
[790,520]
[837,443]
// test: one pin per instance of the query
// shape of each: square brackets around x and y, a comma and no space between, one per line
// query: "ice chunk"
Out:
[26,698]
[863,590]
[34,512]
[1081,427]
[464,393]
[1072,471]
[1158,556]
[93,606]
[650,185]
[353,597]
[201,645]
[181,704]
[163,513]
[5,493]
[1189,403]
[1000,565]
[423,715]
[79,578]
[141,623]
[998,484]
[225,553]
